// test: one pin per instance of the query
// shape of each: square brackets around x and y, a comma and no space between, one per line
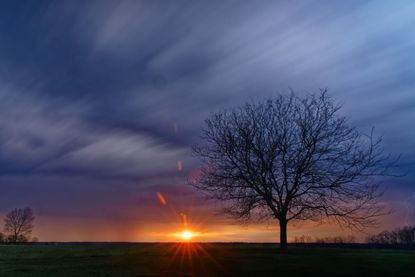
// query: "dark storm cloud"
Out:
[117,90]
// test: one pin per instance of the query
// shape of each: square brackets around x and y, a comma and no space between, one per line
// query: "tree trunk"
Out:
[283,234]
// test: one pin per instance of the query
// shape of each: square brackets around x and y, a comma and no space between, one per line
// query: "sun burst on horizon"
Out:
[186,235]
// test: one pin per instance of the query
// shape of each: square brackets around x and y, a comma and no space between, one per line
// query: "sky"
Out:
[101,102]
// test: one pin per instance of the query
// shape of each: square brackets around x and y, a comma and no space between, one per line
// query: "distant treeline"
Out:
[328,240]
[401,236]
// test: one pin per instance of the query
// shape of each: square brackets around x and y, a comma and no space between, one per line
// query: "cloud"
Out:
[121,154]
[111,95]
[261,48]
[41,135]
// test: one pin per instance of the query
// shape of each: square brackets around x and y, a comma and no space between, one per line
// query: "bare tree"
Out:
[19,224]
[292,158]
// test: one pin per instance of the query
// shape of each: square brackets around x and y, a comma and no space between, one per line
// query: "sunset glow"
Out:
[117,154]
[186,235]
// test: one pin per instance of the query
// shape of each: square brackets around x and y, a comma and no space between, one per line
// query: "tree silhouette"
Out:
[292,158]
[19,224]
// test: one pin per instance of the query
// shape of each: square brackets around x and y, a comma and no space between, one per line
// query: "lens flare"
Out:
[179,166]
[184,218]
[161,198]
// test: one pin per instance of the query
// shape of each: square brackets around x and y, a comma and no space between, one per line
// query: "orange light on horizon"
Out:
[186,235]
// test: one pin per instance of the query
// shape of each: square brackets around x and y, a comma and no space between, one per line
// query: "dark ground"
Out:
[191,259]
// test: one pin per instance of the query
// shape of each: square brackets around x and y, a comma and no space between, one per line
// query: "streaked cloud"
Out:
[100,101]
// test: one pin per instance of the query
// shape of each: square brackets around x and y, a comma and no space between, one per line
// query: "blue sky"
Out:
[100,100]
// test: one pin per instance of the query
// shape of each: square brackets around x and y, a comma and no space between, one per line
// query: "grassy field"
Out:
[200,260]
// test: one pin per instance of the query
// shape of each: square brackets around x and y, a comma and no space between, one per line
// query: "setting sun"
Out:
[186,235]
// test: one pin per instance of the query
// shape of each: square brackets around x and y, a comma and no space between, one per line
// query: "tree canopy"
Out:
[292,158]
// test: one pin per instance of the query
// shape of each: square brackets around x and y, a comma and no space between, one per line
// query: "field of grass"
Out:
[189,259]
